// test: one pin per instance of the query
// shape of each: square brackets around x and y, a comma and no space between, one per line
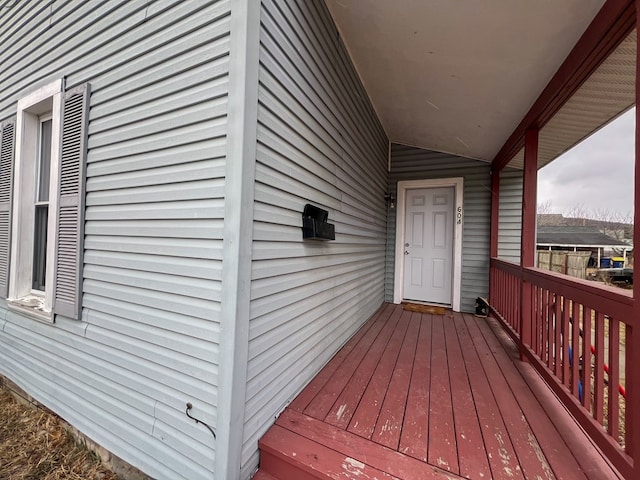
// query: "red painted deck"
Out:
[420,396]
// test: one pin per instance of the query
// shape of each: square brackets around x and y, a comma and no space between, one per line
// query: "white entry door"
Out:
[428,247]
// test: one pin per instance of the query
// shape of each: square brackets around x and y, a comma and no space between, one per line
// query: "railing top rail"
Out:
[604,298]
[509,267]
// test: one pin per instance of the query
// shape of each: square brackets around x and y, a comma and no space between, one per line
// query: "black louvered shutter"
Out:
[70,215]
[7,148]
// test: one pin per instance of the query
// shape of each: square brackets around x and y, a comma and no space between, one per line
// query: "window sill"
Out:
[31,306]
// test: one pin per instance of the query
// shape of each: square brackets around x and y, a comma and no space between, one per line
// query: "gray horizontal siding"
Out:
[510,216]
[148,340]
[409,163]
[319,142]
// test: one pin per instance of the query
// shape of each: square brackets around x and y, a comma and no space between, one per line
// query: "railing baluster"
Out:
[514,287]
[566,333]
[598,403]
[502,300]
[509,302]
[519,311]
[515,301]
[630,436]
[575,349]
[505,287]
[614,379]
[543,324]
[537,324]
[549,328]
[557,328]
[500,292]
[586,358]
[537,332]
[512,321]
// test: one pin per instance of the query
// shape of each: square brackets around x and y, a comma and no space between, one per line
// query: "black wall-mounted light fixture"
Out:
[314,224]
[391,200]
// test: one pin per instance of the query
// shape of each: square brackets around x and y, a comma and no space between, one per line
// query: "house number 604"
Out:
[459,216]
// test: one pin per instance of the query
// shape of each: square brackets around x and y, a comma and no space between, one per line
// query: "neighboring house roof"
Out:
[576,236]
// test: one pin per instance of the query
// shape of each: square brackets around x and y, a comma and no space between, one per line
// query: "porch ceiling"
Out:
[458,79]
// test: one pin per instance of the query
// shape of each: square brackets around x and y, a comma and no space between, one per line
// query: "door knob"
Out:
[406,252]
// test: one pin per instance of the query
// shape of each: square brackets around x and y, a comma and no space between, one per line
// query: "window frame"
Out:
[21,297]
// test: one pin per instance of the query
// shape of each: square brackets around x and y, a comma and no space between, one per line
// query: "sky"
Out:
[596,175]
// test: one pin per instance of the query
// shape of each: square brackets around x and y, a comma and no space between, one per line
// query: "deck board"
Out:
[544,462]
[415,395]
[319,381]
[500,452]
[472,455]
[525,445]
[364,419]
[441,424]
[376,368]
[389,425]
[413,439]
[322,403]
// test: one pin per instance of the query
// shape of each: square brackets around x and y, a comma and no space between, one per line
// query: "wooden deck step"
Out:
[262,475]
[301,447]
[289,455]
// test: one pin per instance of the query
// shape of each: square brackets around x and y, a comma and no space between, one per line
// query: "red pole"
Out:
[495,225]
[495,211]
[528,233]
[632,363]
[529,195]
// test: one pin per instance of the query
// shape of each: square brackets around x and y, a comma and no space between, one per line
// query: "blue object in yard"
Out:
[579,380]
[605,262]
[580,390]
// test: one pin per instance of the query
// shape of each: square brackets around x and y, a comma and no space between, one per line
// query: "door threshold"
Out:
[424,308]
[430,304]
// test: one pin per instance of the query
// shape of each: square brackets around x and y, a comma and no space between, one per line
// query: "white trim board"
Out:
[238,236]
[457,183]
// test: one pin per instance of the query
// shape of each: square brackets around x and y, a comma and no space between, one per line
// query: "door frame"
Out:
[458,212]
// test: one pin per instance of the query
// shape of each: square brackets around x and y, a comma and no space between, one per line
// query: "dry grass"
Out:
[621,436]
[34,445]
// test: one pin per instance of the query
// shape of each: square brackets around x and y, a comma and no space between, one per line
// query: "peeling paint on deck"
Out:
[546,468]
[388,426]
[353,467]
[504,456]
[443,463]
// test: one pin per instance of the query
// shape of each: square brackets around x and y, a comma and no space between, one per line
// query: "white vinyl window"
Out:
[35,194]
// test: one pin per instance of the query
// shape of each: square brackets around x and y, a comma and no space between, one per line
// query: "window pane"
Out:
[40,247]
[45,161]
